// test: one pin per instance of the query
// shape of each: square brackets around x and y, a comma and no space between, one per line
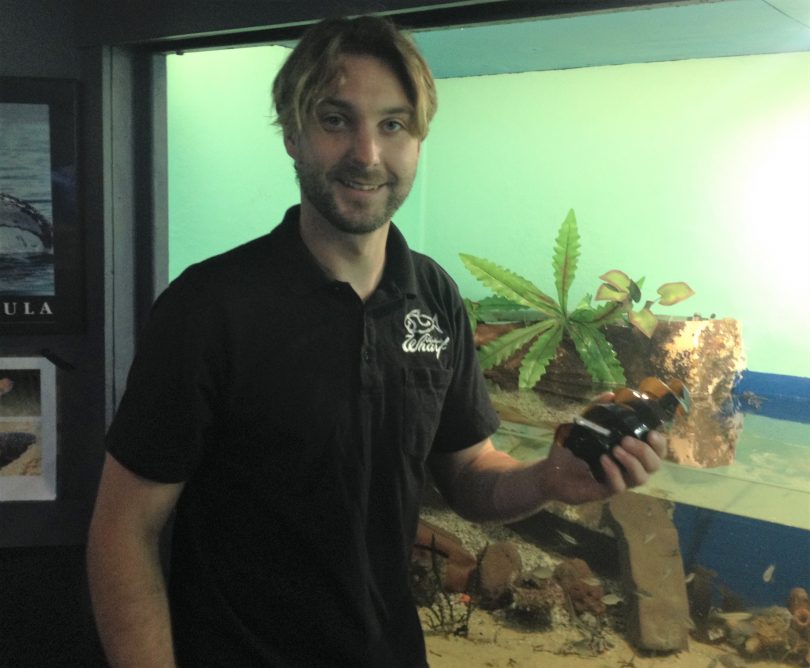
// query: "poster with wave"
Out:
[41,268]
[27,429]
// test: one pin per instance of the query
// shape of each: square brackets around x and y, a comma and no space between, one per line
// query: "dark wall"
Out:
[102,21]
[45,617]
[37,39]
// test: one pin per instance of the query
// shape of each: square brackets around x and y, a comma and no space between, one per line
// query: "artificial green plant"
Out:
[548,320]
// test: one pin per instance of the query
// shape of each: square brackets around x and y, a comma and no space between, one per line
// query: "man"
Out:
[287,397]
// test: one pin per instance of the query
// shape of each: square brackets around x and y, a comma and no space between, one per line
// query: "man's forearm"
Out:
[129,601]
[483,484]
[500,488]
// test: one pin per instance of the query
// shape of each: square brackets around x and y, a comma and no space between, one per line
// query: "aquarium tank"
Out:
[688,169]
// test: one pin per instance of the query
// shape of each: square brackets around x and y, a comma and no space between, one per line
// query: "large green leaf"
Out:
[597,354]
[493,302]
[472,312]
[584,302]
[508,284]
[506,345]
[600,316]
[564,262]
[540,353]
[500,309]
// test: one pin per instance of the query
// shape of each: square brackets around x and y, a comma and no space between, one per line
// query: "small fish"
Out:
[643,593]
[592,581]
[752,399]
[648,537]
[767,576]
[611,599]
[689,578]
[567,538]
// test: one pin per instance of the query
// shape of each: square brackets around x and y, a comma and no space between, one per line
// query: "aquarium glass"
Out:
[692,170]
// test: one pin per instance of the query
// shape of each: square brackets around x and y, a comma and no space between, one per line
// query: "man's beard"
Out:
[315,186]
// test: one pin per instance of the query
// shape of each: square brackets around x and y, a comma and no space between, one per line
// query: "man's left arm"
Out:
[483,484]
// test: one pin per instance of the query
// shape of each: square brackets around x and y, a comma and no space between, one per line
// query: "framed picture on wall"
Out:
[27,429]
[41,263]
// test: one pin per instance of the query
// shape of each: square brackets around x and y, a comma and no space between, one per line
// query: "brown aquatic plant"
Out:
[447,613]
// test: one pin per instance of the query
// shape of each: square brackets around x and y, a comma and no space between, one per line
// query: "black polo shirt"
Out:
[300,419]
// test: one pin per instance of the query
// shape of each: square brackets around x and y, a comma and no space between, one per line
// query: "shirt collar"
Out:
[306,275]
[399,272]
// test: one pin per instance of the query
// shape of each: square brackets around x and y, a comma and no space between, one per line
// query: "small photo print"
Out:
[27,429]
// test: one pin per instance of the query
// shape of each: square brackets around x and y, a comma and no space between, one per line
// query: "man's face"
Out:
[356,157]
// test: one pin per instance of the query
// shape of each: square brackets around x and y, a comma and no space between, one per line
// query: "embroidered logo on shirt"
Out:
[423,334]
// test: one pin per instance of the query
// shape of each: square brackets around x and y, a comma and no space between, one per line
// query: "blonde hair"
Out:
[314,64]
